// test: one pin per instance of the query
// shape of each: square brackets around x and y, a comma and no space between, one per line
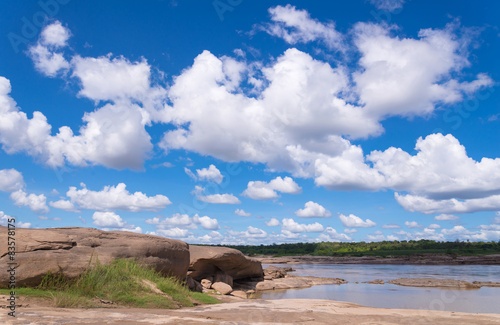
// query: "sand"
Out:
[286,311]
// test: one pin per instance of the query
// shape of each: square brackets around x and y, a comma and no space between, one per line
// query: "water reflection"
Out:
[484,300]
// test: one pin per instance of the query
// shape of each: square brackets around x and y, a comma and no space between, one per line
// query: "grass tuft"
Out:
[120,282]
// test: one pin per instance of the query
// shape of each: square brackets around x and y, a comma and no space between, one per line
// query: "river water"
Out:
[483,300]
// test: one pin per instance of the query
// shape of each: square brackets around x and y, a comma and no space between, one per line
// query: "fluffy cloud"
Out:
[37,203]
[412,224]
[210,174]
[273,222]
[242,213]
[113,136]
[446,217]
[184,221]
[417,70]
[429,206]
[295,227]
[296,26]
[312,210]
[297,112]
[11,180]
[331,235]
[104,78]
[55,35]
[46,61]
[64,205]
[112,198]
[112,221]
[293,117]
[353,221]
[199,191]
[440,169]
[108,219]
[252,234]
[206,222]
[295,123]
[44,55]
[259,190]
[176,220]
[4,221]
[485,234]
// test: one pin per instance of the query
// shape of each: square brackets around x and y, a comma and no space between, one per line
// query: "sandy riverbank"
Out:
[417,259]
[292,311]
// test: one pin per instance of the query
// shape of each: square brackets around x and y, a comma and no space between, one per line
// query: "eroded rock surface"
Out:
[222,264]
[72,250]
[427,282]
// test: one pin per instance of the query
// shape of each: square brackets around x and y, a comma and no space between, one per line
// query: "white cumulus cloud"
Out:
[273,222]
[242,213]
[259,190]
[313,210]
[112,198]
[353,221]
[11,180]
[295,227]
[296,26]
[37,203]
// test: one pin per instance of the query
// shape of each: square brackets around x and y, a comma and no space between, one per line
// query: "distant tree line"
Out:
[383,248]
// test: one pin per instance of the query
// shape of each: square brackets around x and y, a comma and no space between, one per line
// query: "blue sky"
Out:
[252,121]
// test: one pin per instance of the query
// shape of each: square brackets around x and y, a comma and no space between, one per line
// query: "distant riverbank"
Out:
[416,259]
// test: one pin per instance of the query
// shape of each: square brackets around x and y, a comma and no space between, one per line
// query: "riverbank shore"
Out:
[417,259]
[286,311]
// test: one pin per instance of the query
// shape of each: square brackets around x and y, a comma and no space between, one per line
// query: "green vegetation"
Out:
[384,248]
[122,282]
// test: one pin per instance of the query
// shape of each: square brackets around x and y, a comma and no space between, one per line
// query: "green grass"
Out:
[120,282]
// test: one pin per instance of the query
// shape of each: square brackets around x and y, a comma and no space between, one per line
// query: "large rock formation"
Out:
[71,250]
[222,264]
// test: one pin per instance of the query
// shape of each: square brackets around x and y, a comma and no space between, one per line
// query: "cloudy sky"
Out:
[237,121]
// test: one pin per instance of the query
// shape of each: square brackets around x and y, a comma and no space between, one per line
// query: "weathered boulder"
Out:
[222,287]
[275,272]
[193,285]
[72,250]
[265,285]
[209,261]
[205,283]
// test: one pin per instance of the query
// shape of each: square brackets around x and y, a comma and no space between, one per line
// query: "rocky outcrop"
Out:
[222,287]
[276,278]
[486,283]
[275,272]
[377,281]
[72,250]
[426,282]
[217,268]
[222,264]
